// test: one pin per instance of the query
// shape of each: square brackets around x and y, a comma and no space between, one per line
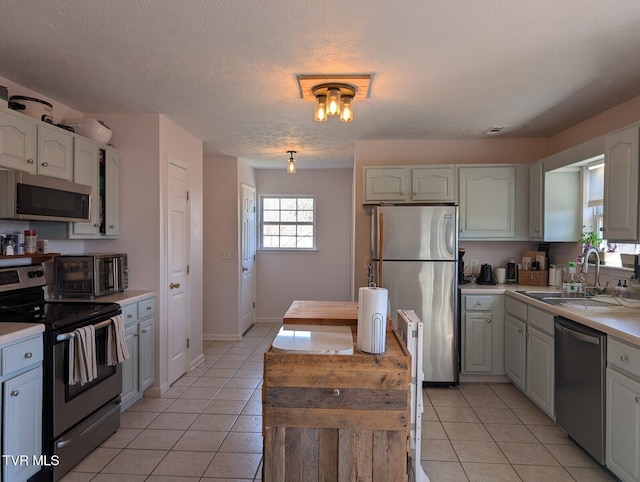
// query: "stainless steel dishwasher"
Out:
[580,358]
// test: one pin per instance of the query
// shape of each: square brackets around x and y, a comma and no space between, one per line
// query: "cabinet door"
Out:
[112,192]
[536,200]
[433,184]
[487,202]
[55,155]
[86,170]
[130,367]
[18,142]
[146,353]
[384,184]
[515,350]
[623,426]
[477,337]
[621,186]
[540,375]
[22,417]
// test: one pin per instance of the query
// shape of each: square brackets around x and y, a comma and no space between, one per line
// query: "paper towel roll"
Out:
[372,319]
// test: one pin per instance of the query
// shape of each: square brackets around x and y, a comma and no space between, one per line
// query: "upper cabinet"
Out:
[487,196]
[86,170]
[562,205]
[402,184]
[55,152]
[536,201]
[621,186]
[35,147]
[18,142]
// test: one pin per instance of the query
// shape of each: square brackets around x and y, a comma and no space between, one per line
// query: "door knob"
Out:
[174,285]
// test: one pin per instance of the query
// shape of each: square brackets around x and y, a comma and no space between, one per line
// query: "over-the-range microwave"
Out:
[90,275]
[41,198]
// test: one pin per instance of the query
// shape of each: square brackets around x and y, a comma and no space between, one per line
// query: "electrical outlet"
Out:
[225,254]
[473,265]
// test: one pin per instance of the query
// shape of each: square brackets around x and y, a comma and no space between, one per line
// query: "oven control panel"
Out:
[18,277]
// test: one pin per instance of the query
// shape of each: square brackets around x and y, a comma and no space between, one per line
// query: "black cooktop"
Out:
[59,314]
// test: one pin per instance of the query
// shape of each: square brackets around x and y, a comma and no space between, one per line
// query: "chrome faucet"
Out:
[585,269]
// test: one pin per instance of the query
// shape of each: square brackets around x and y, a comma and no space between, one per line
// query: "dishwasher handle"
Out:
[593,340]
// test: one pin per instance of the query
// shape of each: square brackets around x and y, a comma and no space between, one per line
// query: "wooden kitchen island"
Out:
[336,417]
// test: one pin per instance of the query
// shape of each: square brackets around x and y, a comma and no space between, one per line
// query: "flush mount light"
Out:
[334,94]
[291,167]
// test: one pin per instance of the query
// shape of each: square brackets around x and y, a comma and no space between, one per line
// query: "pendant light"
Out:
[291,167]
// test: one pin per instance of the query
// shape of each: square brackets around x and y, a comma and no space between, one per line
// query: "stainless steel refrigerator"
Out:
[414,256]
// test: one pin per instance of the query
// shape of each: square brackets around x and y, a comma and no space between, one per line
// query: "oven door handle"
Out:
[71,334]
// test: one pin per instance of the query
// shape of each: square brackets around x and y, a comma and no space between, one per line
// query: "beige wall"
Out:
[325,274]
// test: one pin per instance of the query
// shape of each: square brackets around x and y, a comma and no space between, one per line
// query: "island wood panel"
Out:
[359,432]
[322,313]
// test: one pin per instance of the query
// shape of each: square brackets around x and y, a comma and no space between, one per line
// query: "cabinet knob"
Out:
[111,226]
[489,320]
[148,308]
[29,161]
[624,358]
[129,315]
[335,392]
[402,193]
[637,399]
[537,230]
[96,225]
[144,331]
[462,230]
[174,285]
[415,193]
[135,335]
[45,164]
[15,393]
[28,355]
[520,330]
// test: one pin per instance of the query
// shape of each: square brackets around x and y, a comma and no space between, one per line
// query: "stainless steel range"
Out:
[76,418]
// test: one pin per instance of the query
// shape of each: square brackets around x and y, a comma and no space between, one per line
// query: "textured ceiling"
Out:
[226,70]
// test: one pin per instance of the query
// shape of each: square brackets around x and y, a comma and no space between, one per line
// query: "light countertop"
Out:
[619,322]
[10,332]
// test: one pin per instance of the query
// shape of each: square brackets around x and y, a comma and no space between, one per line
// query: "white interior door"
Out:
[247,294]
[178,234]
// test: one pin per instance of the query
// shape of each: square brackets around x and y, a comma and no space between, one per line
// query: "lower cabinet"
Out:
[529,353]
[22,408]
[623,410]
[483,334]
[138,371]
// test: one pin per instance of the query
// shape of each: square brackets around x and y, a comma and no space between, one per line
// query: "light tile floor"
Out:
[207,427]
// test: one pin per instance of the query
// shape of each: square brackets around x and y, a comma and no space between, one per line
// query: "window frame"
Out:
[313,224]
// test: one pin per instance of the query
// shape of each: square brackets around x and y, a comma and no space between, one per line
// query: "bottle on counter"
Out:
[30,241]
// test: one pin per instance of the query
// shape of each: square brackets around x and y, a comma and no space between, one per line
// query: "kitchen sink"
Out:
[557,298]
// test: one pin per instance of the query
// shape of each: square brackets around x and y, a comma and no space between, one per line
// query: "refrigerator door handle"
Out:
[379,245]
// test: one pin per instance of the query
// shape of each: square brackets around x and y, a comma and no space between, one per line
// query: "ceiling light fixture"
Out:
[334,94]
[291,167]
[334,100]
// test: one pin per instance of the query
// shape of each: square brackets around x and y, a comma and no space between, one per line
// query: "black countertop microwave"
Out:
[90,275]
[42,198]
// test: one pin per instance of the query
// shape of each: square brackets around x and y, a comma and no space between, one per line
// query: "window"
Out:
[287,222]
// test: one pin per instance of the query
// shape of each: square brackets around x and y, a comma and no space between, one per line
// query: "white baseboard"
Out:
[221,337]
[269,320]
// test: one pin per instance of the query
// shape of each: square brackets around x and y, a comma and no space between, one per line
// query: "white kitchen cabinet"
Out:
[55,152]
[99,167]
[487,199]
[515,350]
[138,371]
[536,201]
[22,406]
[563,205]
[529,352]
[623,410]
[408,184]
[540,369]
[86,170]
[483,334]
[621,186]
[623,426]
[433,184]
[18,142]
[384,184]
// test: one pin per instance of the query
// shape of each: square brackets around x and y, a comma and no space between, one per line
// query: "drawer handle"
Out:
[335,392]
[144,331]
[45,164]
[111,226]
[29,161]
[489,320]
[15,393]
[624,358]
[637,399]
[28,355]
[148,308]
[129,315]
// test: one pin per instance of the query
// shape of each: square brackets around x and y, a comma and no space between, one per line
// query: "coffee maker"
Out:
[460,266]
